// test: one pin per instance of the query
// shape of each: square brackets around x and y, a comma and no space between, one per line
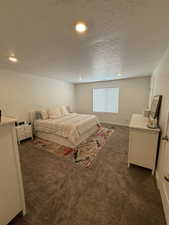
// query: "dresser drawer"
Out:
[11,188]
[143,143]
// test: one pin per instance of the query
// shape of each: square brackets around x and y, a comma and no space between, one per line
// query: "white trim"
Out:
[165,202]
[164,198]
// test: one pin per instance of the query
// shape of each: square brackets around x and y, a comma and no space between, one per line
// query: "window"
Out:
[106,100]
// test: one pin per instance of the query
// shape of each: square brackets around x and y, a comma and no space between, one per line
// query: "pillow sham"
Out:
[54,113]
[64,110]
[41,115]
[45,115]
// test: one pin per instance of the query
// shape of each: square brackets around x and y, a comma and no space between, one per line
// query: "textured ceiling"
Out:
[127,36]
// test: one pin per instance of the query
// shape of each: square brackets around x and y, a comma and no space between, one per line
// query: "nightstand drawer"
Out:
[20,130]
[28,128]
[28,134]
[21,137]
[23,132]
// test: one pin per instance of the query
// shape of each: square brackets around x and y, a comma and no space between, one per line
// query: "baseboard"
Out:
[116,124]
[157,180]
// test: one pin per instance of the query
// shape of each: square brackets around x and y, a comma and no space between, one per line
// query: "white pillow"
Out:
[64,110]
[44,114]
[54,113]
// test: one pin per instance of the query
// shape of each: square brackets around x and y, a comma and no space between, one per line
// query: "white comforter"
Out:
[71,126]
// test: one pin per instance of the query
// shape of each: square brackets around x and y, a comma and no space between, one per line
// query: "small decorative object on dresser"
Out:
[147,112]
[24,131]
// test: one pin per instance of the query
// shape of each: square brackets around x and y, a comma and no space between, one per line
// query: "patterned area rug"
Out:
[84,154]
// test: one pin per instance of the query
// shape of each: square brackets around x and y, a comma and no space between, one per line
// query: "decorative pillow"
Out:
[69,108]
[38,115]
[41,115]
[54,113]
[44,114]
[64,110]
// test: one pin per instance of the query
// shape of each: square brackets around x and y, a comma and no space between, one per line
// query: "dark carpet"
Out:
[58,192]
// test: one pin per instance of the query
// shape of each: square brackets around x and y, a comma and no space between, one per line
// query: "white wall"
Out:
[21,93]
[134,97]
[160,86]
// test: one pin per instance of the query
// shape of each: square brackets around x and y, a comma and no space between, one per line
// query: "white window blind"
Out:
[106,100]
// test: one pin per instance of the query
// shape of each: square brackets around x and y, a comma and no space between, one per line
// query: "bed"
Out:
[68,130]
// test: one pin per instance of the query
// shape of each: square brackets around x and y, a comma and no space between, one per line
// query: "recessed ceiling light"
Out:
[81,27]
[13,59]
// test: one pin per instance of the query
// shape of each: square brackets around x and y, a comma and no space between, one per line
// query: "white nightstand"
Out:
[24,132]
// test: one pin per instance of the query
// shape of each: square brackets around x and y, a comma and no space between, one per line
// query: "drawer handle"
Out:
[166,178]
[165,138]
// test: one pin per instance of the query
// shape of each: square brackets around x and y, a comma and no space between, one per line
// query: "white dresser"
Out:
[143,143]
[11,187]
